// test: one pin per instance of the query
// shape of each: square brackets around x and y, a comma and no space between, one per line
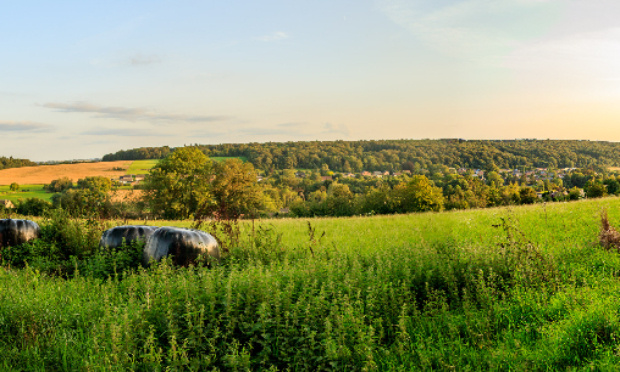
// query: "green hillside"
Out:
[382,155]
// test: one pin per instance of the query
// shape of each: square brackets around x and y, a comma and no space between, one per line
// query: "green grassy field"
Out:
[524,288]
[24,192]
[141,166]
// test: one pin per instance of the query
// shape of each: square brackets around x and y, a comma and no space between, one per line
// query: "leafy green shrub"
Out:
[33,207]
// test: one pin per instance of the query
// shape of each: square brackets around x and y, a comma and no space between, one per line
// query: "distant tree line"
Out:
[11,162]
[413,155]
[142,153]
[187,184]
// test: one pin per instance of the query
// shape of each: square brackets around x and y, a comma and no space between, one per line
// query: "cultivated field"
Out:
[44,174]
[525,288]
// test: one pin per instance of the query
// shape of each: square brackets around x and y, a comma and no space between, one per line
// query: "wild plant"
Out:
[609,237]
[522,258]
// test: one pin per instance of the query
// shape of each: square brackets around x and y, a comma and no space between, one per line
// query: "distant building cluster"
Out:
[131,179]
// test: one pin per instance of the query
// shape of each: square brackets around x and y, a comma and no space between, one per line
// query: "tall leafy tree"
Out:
[235,190]
[180,184]
[97,183]
[419,195]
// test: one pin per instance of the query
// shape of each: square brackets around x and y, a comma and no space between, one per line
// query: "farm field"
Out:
[24,192]
[524,288]
[141,166]
[44,174]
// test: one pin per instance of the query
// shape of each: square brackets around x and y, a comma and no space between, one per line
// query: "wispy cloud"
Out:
[275,36]
[24,126]
[130,113]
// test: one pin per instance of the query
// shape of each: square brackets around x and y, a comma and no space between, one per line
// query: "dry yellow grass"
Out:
[44,174]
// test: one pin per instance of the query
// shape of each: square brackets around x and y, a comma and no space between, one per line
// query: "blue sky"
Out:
[81,79]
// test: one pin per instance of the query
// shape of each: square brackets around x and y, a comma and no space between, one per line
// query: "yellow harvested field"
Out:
[45,174]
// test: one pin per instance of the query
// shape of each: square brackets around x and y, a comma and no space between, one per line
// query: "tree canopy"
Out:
[179,185]
[413,155]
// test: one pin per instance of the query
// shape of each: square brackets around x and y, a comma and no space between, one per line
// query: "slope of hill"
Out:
[381,155]
[44,174]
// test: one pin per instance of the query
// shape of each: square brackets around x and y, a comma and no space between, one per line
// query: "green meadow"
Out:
[141,166]
[24,192]
[524,288]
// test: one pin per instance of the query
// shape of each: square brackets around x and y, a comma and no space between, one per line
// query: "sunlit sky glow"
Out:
[79,79]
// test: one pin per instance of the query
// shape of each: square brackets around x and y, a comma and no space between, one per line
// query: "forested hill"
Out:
[10,162]
[356,156]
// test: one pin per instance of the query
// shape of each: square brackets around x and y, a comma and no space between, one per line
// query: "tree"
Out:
[235,190]
[97,183]
[595,189]
[528,195]
[419,195]
[33,207]
[613,187]
[179,185]
[494,179]
[340,200]
[14,186]
[59,185]
[84,203]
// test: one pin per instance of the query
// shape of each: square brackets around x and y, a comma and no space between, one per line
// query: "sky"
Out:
[80,79]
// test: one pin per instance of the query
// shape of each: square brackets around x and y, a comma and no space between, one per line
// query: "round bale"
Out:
[184,244]
[15,232]
[116,236]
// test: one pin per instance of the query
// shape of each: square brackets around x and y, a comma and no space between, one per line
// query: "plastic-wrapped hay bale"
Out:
[185,245]
[116,236]
[15,232]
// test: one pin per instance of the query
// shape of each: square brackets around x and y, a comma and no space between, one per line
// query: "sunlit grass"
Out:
[141,166]
[24,192]
[520,288]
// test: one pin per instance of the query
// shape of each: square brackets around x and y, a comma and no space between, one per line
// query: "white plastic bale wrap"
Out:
[116,236]
[184,244]
[15,232]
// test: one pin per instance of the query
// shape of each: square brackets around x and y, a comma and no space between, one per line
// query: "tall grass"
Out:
[523,289]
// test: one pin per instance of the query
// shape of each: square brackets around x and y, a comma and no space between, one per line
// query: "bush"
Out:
[73,237]
[33,207]
[59,185]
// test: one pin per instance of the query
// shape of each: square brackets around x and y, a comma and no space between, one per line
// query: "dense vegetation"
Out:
[390,155]
[526,288]
[10,162]
[187,184]
[448,169]
[142,153]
